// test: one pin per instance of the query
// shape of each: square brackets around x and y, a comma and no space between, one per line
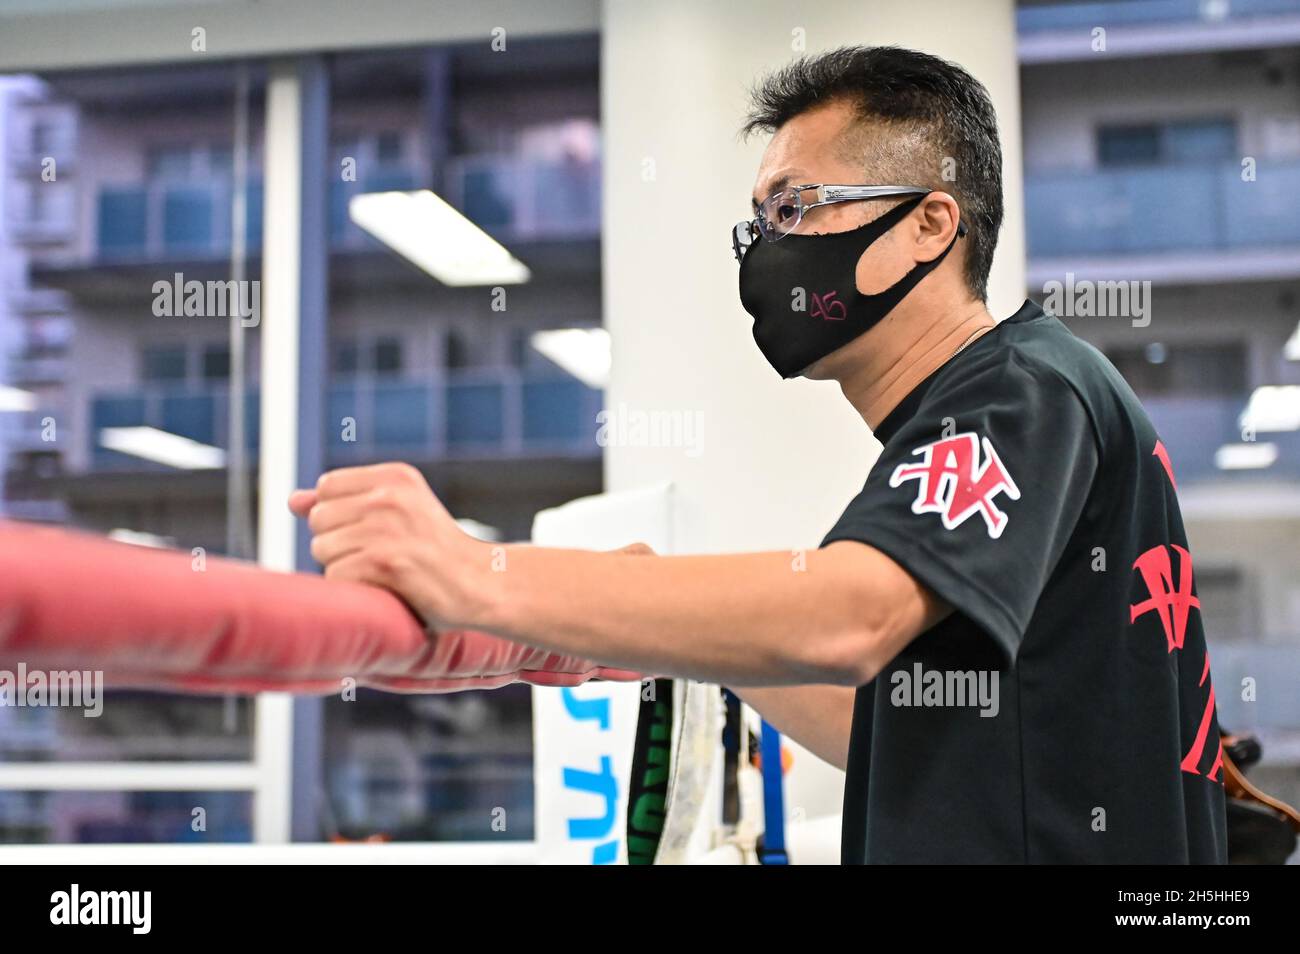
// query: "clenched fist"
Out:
[383,525]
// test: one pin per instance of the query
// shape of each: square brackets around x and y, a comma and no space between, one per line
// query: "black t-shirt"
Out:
[1064,711]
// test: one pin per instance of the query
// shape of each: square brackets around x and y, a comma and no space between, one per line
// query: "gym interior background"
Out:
[597,143]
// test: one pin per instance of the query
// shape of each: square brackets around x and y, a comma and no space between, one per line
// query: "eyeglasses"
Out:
[782,213]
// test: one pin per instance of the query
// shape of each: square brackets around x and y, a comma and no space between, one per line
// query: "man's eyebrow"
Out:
[775,186]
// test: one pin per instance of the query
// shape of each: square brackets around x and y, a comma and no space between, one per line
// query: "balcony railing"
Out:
[482,413]
[1162,208]
[1113,13]
[1194,428]
[523,199]
[171,220]
[161,220]
[512,197]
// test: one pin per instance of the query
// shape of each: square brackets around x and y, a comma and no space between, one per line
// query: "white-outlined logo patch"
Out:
[955,484]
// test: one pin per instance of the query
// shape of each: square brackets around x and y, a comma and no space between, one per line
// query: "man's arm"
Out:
[817,717]
[834,616]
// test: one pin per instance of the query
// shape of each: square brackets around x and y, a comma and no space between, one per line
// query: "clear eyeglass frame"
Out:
[773,222]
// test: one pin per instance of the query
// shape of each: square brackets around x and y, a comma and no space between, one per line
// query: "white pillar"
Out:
[778,461]
[281,326]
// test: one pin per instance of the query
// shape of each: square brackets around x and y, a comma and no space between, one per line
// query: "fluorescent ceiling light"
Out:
[1291,350]
[429,233]
[162,447]
[1245,456]
[15,399]
[1273,408]
[583,352]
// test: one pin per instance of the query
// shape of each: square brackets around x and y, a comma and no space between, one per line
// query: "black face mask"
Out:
[823,268]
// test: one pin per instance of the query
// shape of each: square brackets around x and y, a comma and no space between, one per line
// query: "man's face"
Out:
[809,149]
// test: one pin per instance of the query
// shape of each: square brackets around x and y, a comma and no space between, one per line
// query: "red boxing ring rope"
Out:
[152,618]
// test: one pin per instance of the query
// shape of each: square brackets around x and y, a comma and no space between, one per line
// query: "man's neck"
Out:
[896,361]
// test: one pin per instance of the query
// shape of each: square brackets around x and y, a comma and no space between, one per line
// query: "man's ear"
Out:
[939,217]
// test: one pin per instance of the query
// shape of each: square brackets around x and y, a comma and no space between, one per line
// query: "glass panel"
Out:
[39,818]
[388,356]
[474,414]
[190,415]
[1201,140]
[159,365]
[216,363]
[434,768]
[171,162]
[1122,145]
[347,357]
[130,726]
[187,219]
[553,411]
[389,147]
[401,415]
[150,148]
[123,216]
[406,767]
[486,201]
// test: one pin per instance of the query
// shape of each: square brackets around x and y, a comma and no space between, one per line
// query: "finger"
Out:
[354,567]
[347,481]
[301,502]
[328,515]
[362,568]
[329,548]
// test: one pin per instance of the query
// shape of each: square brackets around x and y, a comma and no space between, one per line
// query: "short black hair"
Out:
[947,131]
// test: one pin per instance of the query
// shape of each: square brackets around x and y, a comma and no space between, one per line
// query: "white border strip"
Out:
[130,776]
[418,853]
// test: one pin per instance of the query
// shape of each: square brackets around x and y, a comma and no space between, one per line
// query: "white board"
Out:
[583,737]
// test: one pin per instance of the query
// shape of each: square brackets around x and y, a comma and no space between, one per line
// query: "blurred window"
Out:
[389,147]
[221,161]
[171,162]
[367,356]
[216,362]
[345,357]
[163,365]
[1227,612]
[1159,369]
[45,137]
[1128,144]
[388,356]
[458,351]
[1185,141]
[95,817]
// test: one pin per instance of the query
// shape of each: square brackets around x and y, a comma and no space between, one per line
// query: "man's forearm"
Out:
[748,619]
[820,718]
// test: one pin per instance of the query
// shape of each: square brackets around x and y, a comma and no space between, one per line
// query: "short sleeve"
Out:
[978,492]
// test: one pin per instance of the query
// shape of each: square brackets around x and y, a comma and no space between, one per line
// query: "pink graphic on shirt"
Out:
[1173,604]
[1163,454]
[952,482]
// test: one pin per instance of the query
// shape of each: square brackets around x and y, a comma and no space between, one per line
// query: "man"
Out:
[999,640]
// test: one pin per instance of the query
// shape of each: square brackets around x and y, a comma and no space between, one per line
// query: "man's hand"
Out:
[383,525]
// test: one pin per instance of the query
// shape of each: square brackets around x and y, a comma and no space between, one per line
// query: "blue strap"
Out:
[772,850]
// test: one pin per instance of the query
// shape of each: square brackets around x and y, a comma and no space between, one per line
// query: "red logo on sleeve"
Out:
[1173,604]
[954,483]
